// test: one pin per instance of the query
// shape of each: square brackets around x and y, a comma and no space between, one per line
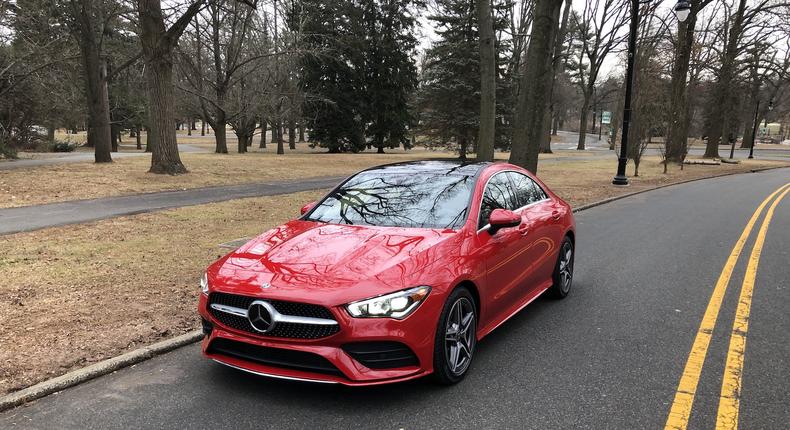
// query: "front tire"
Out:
[456,338]
[563,270]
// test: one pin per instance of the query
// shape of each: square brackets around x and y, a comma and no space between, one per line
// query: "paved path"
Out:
[608,357]
[77,157]
[14,220]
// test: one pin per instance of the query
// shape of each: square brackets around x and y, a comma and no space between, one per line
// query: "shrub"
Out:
[62,146]
[6,151]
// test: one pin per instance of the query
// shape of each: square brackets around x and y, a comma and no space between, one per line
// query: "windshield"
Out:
[402,199]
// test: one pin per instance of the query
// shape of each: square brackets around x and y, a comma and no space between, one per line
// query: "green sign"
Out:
[606,117]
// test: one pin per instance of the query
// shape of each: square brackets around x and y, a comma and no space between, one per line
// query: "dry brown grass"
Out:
[77,294]
[85,180]
[585,181]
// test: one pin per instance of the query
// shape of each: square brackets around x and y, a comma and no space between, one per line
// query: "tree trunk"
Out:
[558,66]
[594,115]
[114,137]
[150,140]
[190,126]
[262,145]
[242,143]
[535,86]
[220,135]
[485,135]
[279,130]
[291,135]
[462,144]
[726,98]
[99,135]
[380,145]
[585,110]
[677,133]
[51,133]
[158,44]
[301,133]
[545,140]
[137,138]
[203,127]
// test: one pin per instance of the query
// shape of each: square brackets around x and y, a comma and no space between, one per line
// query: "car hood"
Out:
[317,262]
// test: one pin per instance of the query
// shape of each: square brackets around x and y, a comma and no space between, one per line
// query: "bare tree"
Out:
[598,33]
[558,63]
[677,131]
[159,42]
[230,25]
[649,100]
[742,28]
[87,22]
[533,98]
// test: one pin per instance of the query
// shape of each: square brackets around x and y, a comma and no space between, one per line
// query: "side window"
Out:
[527,191]
[499,194]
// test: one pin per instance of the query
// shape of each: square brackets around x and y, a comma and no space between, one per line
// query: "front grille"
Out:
[381,355]
[282,329]
[274,357]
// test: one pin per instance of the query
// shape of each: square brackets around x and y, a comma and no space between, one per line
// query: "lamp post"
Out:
[682,11]
[754,132]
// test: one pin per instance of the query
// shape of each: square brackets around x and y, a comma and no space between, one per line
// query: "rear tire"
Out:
[456,338]
[563,270]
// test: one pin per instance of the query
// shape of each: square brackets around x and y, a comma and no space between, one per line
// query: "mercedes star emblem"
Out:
[261,316]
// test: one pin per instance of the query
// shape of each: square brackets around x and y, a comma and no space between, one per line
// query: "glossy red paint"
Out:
[306,208]
[503,218]
[331,265]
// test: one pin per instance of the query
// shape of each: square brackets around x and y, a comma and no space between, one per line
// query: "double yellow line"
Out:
[727,417]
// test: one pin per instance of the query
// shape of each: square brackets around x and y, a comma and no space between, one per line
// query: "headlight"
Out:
[397,305]
[204,284]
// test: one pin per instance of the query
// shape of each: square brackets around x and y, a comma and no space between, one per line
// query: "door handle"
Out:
[523,230]
[555,215]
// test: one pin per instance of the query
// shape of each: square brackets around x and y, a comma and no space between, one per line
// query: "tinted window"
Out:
[527,191]
[401,199]
[497,195]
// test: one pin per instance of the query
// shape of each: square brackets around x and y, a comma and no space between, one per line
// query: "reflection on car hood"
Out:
[328,259]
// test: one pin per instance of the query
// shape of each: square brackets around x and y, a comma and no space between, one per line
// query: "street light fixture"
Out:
[682,10]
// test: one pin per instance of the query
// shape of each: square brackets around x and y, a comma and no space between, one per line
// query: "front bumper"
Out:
[416,332]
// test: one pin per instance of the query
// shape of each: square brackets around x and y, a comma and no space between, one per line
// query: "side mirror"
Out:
[306,208]
[502,218]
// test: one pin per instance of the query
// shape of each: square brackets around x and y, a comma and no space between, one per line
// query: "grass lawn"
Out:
[84,180]
[118,284]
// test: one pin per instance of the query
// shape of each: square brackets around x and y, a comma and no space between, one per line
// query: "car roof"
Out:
[439,167]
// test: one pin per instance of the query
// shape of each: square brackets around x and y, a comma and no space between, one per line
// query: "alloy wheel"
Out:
[460,335]
[566,266]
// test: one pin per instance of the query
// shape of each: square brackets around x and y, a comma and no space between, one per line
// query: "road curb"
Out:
[95,370]
[110,365]
[657,187]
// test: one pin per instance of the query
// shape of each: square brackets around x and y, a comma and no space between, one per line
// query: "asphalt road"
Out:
[610,356]
[27,218]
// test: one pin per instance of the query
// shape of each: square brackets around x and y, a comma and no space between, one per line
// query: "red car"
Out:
[395,274]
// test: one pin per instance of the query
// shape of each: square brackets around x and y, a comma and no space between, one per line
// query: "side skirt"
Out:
[514,310]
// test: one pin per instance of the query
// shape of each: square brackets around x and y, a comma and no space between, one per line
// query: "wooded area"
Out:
[353,76]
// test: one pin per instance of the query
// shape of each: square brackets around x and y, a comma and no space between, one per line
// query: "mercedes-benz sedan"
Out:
[395,274]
